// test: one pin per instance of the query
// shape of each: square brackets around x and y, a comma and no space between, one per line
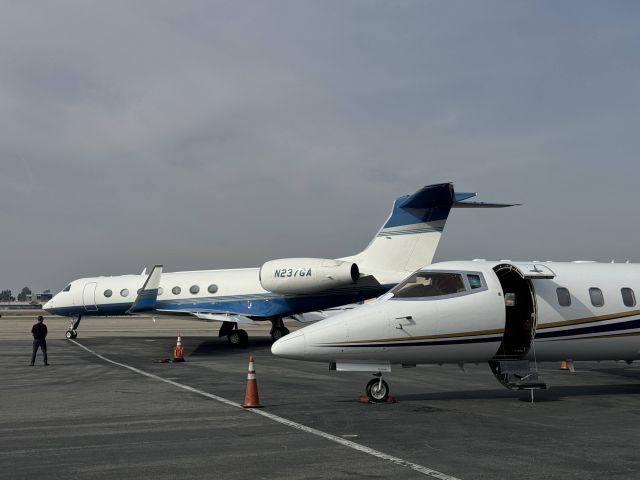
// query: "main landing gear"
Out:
[238,338]
[278,330]
[377,389]
[72,332]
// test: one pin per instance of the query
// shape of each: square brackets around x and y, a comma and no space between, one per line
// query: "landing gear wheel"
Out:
[377,390]
[71,334]
[278,332]
[238,338]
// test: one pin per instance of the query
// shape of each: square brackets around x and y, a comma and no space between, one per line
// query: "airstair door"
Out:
[89,297]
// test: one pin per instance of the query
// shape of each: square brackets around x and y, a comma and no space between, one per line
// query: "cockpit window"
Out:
[67,288]
[430,284]
[474,281]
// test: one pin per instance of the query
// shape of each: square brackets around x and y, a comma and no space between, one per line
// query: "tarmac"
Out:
[129,413]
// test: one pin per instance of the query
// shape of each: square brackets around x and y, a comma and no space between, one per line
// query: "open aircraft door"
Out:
[89,297]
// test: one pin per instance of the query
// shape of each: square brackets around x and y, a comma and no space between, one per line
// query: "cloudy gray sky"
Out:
[204,134]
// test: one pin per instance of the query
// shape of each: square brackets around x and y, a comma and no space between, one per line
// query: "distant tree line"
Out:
[23,296]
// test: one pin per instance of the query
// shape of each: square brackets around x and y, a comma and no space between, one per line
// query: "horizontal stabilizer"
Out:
[482,205]
[148,296]
[431,196]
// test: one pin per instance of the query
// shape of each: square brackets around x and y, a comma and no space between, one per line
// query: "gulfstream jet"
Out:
[509,314]
[288,287]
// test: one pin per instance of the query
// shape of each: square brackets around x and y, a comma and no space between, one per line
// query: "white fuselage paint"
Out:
[470,327]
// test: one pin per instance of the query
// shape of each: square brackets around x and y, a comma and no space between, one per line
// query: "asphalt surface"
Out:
[83,417]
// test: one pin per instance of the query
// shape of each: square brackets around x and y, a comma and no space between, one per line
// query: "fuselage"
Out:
[496,310]
[236,291]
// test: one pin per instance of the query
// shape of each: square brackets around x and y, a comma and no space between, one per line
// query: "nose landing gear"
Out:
[72,332]
[377,389]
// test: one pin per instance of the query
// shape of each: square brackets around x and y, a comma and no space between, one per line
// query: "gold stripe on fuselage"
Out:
[428,337]
[578,321]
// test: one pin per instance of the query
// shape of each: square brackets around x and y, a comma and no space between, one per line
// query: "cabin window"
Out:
[564,297]
[597,299]
[176,290]
[108,293]
[67,288]
[160,290]
[124,292]
[474,281]
[430,284]
[628,297]
[213,288]
[194,289]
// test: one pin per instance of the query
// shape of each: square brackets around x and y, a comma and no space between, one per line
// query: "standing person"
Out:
[39,332]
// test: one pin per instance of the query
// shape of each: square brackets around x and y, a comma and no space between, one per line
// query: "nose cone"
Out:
[48,305]
[290,346]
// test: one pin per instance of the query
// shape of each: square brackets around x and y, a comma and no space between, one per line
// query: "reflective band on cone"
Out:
[251,399]
[178,351]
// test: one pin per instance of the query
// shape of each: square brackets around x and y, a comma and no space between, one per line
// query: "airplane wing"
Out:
[310,317]
[148,294]
[208,316]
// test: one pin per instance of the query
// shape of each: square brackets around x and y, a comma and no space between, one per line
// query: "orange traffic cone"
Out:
[564,365]
[178,351]
[251,399]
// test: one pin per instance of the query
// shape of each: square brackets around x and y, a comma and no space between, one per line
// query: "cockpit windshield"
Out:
[430,284]
[67,288]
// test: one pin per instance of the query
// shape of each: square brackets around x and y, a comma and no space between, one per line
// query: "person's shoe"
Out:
[31,364]
[46,364]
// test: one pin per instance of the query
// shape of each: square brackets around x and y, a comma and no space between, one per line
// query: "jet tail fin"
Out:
[148,296]
[409,238]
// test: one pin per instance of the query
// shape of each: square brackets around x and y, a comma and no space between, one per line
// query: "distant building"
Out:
[37,298]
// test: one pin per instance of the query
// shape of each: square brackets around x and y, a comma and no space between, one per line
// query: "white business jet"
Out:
[505,313]
[289,287]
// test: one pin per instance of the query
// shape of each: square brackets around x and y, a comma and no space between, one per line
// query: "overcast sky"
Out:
[225,134]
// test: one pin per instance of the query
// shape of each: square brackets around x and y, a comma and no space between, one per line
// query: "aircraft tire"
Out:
[279,332]
[238,338]
[244,338]
[377,393]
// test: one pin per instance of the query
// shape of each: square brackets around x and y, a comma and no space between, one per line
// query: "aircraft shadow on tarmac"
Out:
[220,347]
[553,394]
[620,372]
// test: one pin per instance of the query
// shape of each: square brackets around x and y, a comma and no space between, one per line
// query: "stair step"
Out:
[530,386]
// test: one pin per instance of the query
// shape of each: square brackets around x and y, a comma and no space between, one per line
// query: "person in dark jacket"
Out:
[39,332]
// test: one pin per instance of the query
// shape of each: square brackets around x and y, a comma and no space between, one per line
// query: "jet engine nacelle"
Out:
[306,275]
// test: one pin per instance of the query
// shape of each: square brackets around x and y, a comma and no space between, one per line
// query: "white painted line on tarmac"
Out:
[290,423]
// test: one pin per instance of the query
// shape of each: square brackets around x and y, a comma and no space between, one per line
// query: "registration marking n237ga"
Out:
[291,272]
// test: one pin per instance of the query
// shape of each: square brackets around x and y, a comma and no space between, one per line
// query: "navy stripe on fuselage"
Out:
[591,329]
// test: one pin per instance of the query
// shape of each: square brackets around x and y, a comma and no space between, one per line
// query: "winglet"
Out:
[148,296]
